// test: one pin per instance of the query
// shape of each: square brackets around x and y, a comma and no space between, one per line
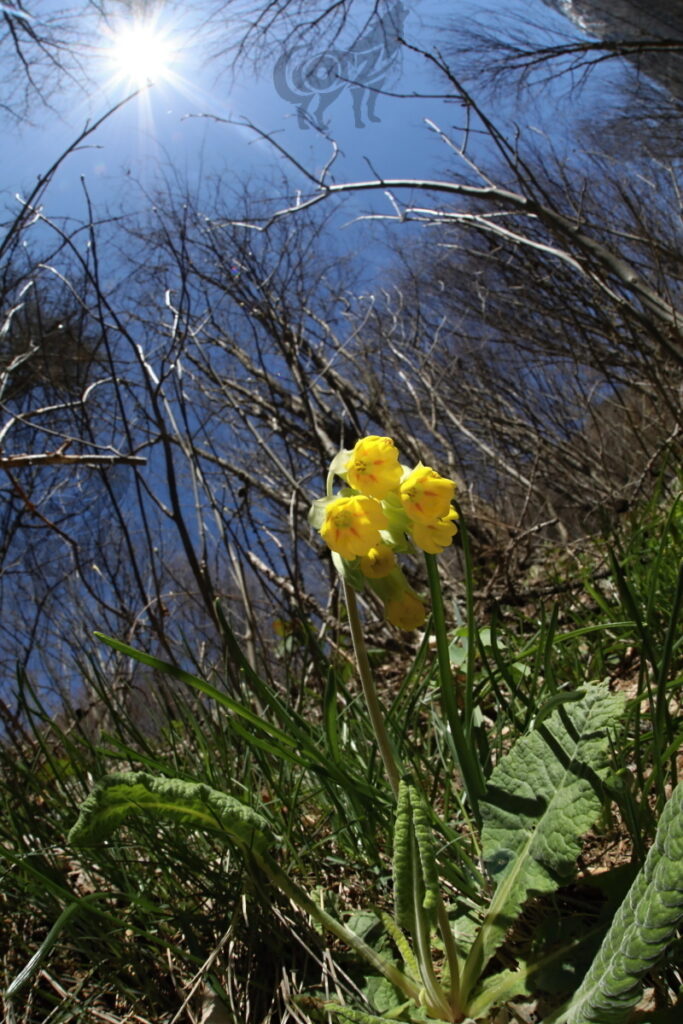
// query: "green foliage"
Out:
[414,859]
[424,841]
[52,937]
[541,795]
[540,799]
[349,1013]
[123,796]
[126,794]
[274,798]
[643,926]
[402,861]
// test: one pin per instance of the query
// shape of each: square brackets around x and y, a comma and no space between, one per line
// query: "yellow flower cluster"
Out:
[368,521]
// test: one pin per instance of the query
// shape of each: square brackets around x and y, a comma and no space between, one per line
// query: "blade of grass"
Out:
[472,775]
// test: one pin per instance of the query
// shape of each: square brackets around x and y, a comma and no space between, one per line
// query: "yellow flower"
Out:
[434,537]
[378,562]
[352,525]
[426,496]
[405,611]
[373,467]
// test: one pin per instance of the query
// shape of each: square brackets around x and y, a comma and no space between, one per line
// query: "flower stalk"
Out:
[375,711]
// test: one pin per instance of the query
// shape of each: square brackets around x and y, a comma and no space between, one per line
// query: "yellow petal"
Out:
[352,525]
[435,536]
[373,467]
[426,495]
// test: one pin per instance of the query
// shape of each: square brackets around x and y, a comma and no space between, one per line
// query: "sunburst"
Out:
[143,52]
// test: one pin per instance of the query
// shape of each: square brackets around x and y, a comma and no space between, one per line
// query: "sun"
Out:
[142,52]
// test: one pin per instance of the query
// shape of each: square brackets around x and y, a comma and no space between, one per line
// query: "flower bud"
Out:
[378,562]
[405,611]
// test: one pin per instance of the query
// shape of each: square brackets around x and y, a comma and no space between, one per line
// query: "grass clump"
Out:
[164,919]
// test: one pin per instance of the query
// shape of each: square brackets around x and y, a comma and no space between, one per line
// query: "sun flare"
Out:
[142,52]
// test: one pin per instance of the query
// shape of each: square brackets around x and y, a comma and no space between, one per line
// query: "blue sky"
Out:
[170,128]
[171,124]
[170,133]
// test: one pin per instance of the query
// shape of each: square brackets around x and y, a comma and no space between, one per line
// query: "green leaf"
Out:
[126,794]
[71,910]
[641,930]
[402,944]
[526,979]
[402,860]
[414,867]
[353,1015]
[424,840]
[499,988]
[384,997]
[541,798]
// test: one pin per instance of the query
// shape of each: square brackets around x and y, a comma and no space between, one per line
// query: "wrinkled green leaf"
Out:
[641,930]
[122,795]
[353,1015]
[541,798]
[382,995]
[402,860]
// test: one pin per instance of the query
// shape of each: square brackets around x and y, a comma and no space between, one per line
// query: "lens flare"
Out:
[142,52]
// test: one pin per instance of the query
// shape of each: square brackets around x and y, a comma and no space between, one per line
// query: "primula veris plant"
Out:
[456,900]
[382,508]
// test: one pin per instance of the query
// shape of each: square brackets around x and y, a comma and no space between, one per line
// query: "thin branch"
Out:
[64,459]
